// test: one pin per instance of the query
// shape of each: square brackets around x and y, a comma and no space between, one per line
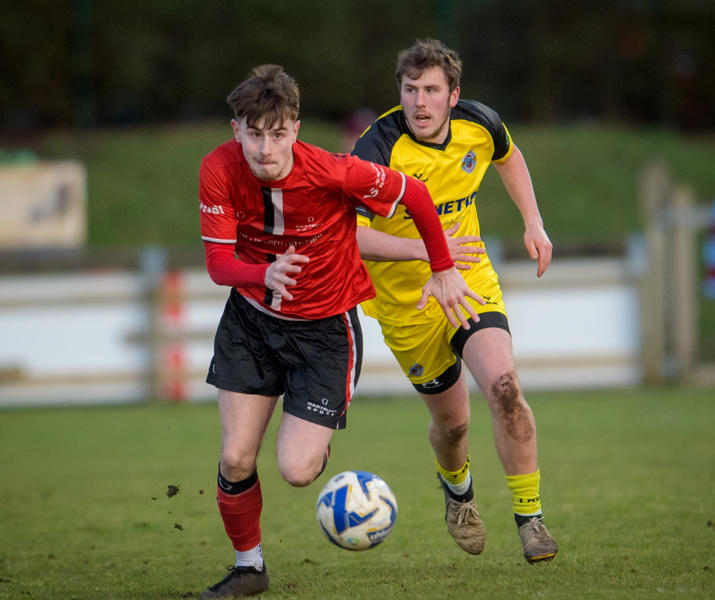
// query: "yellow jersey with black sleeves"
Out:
[453,172]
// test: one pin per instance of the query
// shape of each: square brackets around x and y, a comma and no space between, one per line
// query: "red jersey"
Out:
[313,208]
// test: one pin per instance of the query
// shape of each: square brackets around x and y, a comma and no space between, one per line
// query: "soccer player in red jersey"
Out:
[278,220]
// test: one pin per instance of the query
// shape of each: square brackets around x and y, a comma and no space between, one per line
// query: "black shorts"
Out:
[315,364]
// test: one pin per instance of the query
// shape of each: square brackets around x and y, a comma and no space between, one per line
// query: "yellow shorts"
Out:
[424,350]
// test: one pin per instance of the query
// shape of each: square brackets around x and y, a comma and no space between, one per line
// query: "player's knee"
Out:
[506,393]
[450,432]
[298,473]
[235,465]
[455,433]
[512,408]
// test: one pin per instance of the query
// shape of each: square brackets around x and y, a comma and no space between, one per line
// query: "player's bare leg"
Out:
[244,419]
[449,428]
[448,434]
[301,448]
[489,357]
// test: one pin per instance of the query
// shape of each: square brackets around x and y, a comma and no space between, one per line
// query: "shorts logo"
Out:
[469,161]
[435,383]
[416,370]
[321,409]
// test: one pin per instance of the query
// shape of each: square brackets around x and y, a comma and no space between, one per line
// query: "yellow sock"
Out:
[525,493]
[454,477]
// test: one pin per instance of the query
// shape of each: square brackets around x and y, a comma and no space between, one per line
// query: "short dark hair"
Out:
[270,94]
[425,54]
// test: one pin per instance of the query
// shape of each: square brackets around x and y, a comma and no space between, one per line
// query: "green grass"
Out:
[627,483]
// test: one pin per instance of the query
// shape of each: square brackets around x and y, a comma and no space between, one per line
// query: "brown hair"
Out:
[270,95]
[425,54]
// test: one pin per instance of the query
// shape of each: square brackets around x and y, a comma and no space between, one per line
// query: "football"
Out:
[356,510]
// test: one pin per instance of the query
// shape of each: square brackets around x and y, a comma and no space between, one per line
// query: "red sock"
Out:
[241,514]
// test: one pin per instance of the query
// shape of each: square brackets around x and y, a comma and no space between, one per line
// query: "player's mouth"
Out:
[422,119]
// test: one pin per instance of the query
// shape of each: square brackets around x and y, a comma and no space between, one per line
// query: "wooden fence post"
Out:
[654,188]
[682,285]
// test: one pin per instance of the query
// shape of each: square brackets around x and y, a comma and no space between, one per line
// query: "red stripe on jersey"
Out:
[351,380]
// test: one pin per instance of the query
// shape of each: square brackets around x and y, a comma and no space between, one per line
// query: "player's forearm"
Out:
[225,269]
[421,208]
[516,179]
[380,246]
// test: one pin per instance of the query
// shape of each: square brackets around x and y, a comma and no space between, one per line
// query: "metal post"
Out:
[153,262]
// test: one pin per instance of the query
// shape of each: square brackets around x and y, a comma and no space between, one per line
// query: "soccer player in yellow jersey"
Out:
[449,143]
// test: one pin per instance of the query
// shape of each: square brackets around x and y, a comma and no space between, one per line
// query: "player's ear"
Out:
[296,127]
[454,97]
[234,126]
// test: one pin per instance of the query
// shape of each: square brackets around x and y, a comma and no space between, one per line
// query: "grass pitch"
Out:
[87,512]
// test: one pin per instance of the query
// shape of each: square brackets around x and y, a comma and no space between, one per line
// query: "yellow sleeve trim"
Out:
[363,221]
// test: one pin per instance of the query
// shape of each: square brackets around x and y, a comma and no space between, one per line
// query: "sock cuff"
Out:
[454,477]
[526,500]
[236,487]
[523,479]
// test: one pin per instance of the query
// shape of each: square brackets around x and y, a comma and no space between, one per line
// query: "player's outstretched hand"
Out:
[278,274]
[451,291]
[463,248]
[539,247]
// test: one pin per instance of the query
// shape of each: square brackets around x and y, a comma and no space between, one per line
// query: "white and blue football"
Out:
[356,510]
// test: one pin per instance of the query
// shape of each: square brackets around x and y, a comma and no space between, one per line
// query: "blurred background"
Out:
[85,63]
[106,109]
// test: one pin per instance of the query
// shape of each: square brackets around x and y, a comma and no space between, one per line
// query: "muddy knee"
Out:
[512,408]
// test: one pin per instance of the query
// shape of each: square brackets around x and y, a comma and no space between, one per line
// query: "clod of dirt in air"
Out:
[179,527]
[172,490]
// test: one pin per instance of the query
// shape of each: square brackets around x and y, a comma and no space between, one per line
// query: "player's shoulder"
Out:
[376,143]
[476,112]
[303,149]
[223,155]
[310,158]
[317,165]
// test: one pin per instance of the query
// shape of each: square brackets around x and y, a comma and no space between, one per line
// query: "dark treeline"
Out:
[90,63]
